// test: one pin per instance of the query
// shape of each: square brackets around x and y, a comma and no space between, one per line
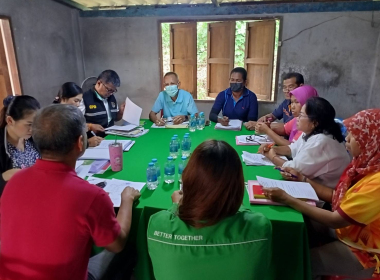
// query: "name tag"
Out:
[92,106]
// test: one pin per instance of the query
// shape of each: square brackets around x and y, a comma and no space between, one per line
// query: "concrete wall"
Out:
[337,53]
[46,39]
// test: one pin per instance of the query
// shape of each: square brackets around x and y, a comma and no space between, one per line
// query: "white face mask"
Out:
[171,90]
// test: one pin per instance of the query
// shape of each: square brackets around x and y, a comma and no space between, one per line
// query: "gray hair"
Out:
[109,76]
[57,128]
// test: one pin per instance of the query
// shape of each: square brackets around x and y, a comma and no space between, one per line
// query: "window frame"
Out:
[216,19]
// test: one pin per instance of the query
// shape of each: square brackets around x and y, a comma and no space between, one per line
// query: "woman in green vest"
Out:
[207,234]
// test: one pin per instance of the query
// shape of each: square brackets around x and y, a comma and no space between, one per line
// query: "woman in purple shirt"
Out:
[236,102]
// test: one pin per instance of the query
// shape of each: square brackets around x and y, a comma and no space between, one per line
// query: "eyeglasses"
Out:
[289,88]
[302,116]
[258,139]
[109,90]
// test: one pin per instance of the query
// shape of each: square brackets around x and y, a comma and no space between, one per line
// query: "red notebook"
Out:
[255,190]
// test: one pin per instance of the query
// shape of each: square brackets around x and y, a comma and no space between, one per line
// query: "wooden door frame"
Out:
[211,19]
[9,46]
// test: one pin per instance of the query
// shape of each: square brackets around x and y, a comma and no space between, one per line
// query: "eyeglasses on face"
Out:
[109,90]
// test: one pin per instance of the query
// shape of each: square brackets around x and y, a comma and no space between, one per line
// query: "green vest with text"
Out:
[238,247]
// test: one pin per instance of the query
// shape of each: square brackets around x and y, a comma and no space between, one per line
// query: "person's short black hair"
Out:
[109,76]
[298,76]
[322,113]
[240,70]
[57,128]
[68,90]
[172,73]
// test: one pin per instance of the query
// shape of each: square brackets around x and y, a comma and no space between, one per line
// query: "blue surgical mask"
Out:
[171,90]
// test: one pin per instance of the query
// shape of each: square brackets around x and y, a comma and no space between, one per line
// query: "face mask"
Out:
[236,87]
[171,90]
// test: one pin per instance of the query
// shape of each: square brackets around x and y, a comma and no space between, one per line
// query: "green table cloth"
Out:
[290,256]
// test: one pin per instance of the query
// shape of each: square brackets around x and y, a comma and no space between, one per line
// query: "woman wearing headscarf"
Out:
[355,205]
[298,98]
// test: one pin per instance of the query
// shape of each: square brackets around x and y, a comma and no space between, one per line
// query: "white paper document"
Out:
[83,171]
[78,164]
[96,154]
[257,159]
[127,127]
[295,189]
[132,112]
[115,187]
[232,125]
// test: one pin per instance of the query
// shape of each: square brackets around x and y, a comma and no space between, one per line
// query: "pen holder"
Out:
[116,156]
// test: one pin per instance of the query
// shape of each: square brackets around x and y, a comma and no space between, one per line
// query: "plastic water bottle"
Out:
[169,171]
[181,167]
[179,143]
[201,121]
[186,144]
[151,176]
[158,169]
[192,123]
[173,148]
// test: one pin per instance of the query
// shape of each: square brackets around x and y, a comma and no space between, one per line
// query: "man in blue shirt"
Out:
[176,103]
[291,81]
[236,102]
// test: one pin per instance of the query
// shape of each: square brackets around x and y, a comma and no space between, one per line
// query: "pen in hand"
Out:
[282,170]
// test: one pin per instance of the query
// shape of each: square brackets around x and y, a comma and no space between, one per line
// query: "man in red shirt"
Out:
[50,217]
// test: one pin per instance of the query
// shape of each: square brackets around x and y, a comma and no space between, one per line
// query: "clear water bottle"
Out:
[181,167]
[186,144]
[192,123]
[158,169]
[169,171]
[188,134]
[201,121]
[173,148]
[151,176]
[179,142]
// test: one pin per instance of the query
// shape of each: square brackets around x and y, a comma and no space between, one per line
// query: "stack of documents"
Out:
[257,159]
[254,140]
[232,125]
[115,187]
[102,151]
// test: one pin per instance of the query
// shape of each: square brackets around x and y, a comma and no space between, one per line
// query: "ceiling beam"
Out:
[241,8]
[73,4]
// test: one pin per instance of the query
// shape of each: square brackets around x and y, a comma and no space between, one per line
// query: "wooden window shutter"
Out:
[183,54]
[259,55]
[220,55]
